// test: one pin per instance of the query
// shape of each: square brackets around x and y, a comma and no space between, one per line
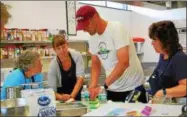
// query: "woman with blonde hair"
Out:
[66,71]
[28,70]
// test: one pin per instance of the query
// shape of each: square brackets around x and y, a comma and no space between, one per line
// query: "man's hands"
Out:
[94,91]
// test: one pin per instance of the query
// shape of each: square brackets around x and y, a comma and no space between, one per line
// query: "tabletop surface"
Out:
[157,109]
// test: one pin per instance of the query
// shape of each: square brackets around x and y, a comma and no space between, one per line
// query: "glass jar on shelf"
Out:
[33,34]
[29,35]
[41,51]
[46,51]
[19,35]
[36,34]
[11,52]
[38,50]
[14,33]
[9,37]
[4,34]
[43,33]
[50,34]
[17,52]
[24,32]
[39,36]
[1,52]
[5,53]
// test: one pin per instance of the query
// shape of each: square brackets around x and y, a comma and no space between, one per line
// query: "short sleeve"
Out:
[52,75]
[3,93]
[120,36]
[92,46]
[39,78]
[79,65]
[13,79]
[180,67]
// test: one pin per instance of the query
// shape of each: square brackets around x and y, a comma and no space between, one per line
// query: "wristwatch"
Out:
[164,91]
[105,86]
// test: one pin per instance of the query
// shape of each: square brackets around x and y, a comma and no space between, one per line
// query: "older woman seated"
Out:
[28,70]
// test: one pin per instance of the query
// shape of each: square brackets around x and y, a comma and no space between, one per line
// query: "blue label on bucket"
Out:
[44,101]
[47,112]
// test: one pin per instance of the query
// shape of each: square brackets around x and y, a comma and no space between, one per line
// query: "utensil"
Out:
[31,85]
[13,92]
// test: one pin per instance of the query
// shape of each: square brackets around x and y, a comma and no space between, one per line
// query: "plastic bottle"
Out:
[85,96]
[102,96]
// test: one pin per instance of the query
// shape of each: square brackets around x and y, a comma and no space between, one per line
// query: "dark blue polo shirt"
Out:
[174,69]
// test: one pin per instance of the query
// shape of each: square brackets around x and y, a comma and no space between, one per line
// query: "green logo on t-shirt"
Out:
[103,51]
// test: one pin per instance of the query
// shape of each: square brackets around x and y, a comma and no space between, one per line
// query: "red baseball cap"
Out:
[83,15]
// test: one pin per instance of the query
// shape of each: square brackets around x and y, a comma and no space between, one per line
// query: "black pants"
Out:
[121,96]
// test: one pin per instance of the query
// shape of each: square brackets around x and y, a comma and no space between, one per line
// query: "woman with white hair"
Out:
[28,70]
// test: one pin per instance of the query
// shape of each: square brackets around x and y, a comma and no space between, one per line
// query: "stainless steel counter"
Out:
[70,109]
[14,107]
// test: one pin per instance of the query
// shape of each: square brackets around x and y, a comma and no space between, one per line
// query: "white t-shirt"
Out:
[105,46]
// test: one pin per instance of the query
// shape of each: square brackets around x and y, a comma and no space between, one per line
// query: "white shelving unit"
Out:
[79,45]
[24,42]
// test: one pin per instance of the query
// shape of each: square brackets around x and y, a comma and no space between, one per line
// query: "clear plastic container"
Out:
[102,96]
[85,95]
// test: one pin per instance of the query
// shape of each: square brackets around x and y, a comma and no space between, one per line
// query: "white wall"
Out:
[37,14]
[173,14]
[52,15]
[142,18]
[140,27]
[180,23]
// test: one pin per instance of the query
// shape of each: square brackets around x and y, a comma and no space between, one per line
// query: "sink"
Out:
[14,107]
[70,109]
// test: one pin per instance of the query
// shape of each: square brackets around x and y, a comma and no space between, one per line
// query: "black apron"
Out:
[160,81]
[68,79]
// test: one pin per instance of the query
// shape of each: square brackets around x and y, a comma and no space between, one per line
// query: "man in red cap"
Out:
[111,46]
